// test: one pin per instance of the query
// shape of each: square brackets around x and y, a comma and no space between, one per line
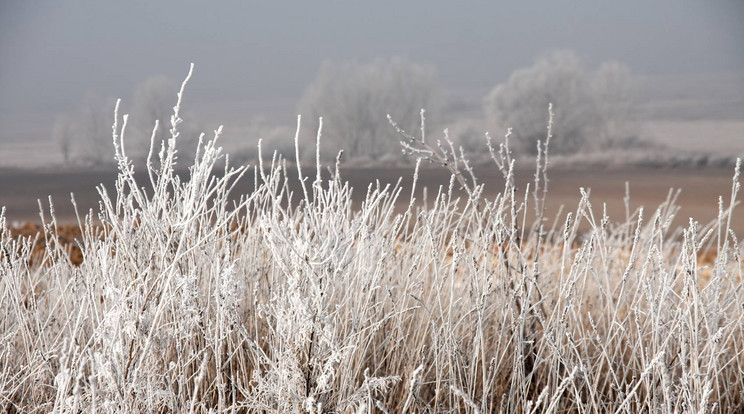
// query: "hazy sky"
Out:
[53,52]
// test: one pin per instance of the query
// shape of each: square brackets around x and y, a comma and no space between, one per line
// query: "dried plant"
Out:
[300,303]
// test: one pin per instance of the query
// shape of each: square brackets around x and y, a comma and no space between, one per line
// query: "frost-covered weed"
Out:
[297,302]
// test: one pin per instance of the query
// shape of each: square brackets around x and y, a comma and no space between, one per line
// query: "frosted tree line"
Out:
[591,107]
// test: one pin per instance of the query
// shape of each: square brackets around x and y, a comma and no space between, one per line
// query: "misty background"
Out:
[663,77]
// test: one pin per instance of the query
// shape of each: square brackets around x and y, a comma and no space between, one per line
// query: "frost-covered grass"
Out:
[297,302]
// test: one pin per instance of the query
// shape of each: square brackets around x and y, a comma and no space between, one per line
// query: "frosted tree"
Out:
[64,135]
[89,128]
[93,128]
[354,99]
[613,86]
[153,101]
[587,105]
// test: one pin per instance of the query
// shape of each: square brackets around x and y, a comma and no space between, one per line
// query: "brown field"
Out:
[700,188]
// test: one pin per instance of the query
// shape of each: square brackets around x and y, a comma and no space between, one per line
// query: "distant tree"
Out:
[613,87]
[588,106]
[93,128]
[153,100]
[89,128]
[354,100]
[63,134]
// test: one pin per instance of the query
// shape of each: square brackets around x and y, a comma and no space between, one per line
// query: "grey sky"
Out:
[53,52]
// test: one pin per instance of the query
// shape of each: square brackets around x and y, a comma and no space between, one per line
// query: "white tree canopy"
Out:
[354,100]
[589,106]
